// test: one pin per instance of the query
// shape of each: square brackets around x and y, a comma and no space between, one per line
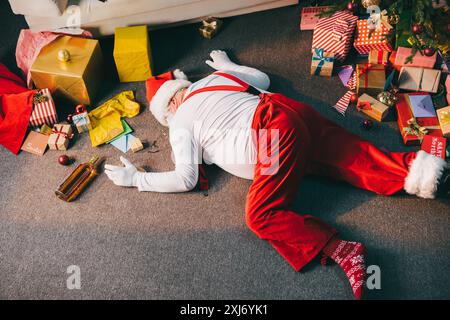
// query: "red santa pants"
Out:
[309,144]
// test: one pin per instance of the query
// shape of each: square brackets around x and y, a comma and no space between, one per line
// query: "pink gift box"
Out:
[418,60]
[309,17]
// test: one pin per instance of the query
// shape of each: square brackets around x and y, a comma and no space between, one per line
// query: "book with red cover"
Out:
[404,114]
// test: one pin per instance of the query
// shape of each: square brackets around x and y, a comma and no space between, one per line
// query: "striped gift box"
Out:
[44,112]
[334,34]
[377,40]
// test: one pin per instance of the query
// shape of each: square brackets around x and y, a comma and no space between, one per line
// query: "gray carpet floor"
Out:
[132,245]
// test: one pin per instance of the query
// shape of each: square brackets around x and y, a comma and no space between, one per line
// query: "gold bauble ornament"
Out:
[387,97]
[368,3]
[63,55]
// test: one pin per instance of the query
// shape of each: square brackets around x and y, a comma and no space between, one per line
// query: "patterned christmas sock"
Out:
[350,256]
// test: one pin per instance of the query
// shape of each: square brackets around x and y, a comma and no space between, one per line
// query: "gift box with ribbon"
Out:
[405,57]
[334,34]
[322,63]
[59,139]
[419,79]
[378,57]
[444,120]
[371,37]
[210,27]
[70,67]
[309,18]
[434,145]
[414,129]
[81,119]
[44,110]
[370,78]
[372,107]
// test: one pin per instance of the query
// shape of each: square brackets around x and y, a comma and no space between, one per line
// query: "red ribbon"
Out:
[364,105]
[60,132]
[80,109]
[365,71]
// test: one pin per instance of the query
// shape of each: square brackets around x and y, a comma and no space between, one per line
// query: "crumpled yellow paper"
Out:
[105,119]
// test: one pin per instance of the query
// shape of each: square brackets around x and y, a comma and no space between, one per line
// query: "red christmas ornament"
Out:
[429,52]
[352,6]
[417,28]
[354,98]
[367,124]
[64,160]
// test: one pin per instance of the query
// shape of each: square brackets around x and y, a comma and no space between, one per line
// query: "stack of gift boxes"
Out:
[413,82]
[68,70]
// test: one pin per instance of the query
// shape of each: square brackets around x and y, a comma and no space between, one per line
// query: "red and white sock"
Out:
[350,256]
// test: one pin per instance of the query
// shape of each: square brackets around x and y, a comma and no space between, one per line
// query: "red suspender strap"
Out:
[243,86]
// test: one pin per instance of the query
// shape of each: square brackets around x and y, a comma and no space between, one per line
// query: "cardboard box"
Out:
[35,143]
[132,53]
[378,57]
[76,80]
[322,63]
[59,139]
[370,78]
[419,79]
[372,107]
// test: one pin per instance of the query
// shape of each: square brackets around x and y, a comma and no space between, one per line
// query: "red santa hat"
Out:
[161,89]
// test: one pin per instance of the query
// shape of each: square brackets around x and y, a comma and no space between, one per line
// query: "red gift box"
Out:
[44,112]
[309,18]
[434,145]
[414,129]
[377,40]
[334,34]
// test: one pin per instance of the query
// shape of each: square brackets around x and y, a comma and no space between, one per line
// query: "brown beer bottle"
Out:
[78,180]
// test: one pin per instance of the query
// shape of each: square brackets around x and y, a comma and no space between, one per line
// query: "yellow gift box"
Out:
[76,79]
[132,53]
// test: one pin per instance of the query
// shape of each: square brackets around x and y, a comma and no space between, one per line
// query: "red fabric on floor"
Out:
[16,103]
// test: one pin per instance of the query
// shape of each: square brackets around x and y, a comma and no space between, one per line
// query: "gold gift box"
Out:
[77,79]
[444,120]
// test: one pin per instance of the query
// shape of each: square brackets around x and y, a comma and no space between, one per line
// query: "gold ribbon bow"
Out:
[415,129]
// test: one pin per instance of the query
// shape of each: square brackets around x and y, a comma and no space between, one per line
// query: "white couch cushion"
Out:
[39,8]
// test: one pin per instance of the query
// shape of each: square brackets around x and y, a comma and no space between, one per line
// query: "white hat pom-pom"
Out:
[178,74]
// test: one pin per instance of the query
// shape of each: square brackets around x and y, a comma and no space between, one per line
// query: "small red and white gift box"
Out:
[368,38]
[334,34]
[44,110]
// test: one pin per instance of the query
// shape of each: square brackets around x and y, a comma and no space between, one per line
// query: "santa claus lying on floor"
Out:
[230,120]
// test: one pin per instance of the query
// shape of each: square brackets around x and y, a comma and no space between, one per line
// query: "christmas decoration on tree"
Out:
[429,23]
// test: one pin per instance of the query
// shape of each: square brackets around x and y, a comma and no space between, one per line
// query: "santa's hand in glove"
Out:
[122,176]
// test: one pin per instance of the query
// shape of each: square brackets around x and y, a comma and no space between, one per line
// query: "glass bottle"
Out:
[78,180]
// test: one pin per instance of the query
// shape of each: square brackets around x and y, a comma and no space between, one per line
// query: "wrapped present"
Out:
[309,18]
[419,79]
[59,139]
[418,59]
[372,107]
[334,34]
[322,63]
[378,57]
[367,39]
[370,78]
[210,27]
[444,120]
[44,110]
[414,129]
[132,53]
[136,145]
[81,119]
[447,88]
[70,68]
[434,145]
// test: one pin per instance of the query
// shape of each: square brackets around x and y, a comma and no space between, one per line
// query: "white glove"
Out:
[122,176]
[220,61]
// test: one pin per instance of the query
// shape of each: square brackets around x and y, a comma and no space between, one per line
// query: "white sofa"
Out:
[102,17]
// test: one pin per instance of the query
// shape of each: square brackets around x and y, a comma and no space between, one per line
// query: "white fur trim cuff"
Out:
[160,102]
[424,174]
